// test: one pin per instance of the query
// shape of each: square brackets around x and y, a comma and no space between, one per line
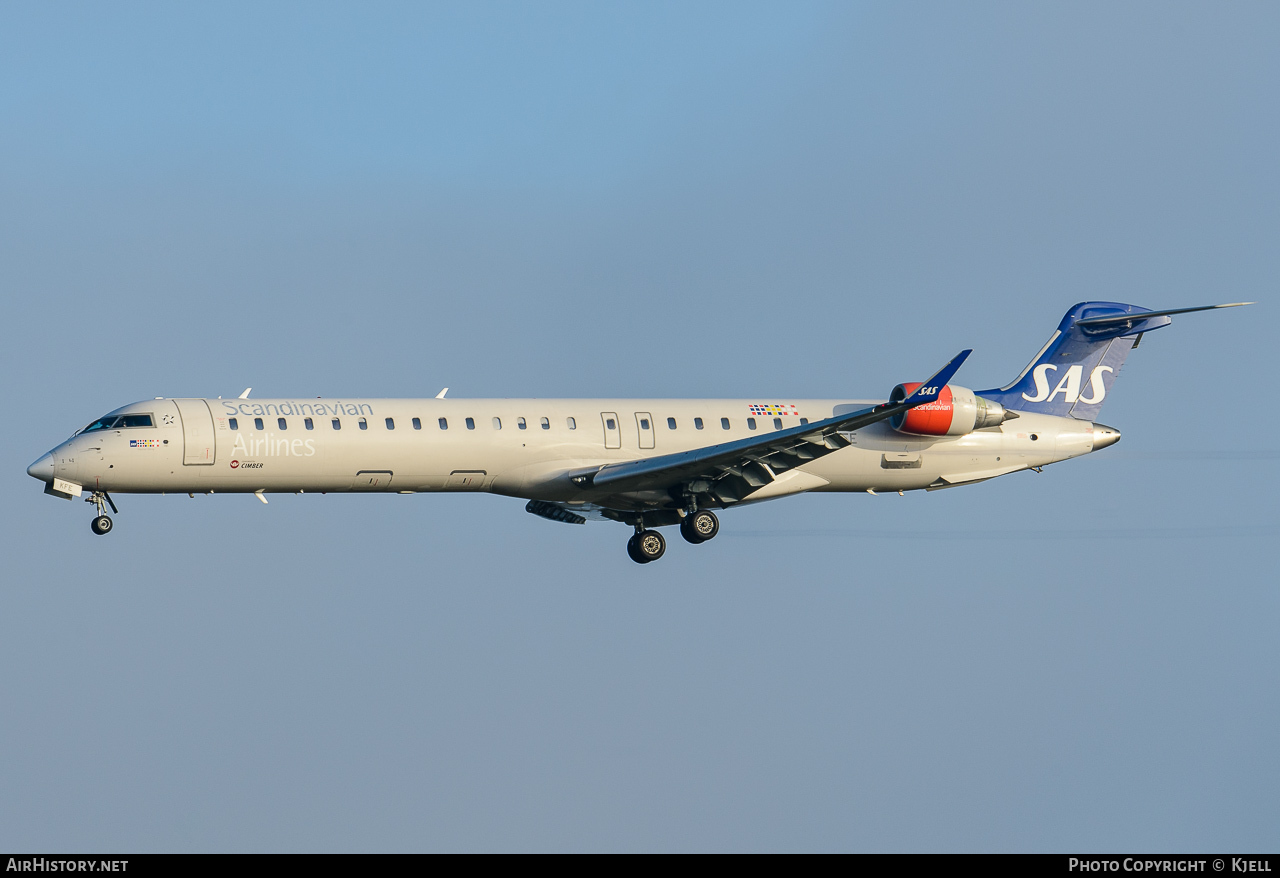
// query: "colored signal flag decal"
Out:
[144,443]
[775,410]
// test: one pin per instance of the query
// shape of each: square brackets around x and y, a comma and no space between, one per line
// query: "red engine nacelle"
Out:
[956,411]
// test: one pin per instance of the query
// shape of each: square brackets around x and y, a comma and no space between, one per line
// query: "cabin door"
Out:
[197,431]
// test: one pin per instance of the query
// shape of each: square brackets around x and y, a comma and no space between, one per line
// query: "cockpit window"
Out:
[120,422]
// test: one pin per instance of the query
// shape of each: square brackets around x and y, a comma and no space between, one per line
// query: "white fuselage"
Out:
[526,448]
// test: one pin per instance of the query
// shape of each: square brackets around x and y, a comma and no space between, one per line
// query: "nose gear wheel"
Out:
[101,523]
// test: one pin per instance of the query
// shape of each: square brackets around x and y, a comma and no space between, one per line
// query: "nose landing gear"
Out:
[101,523]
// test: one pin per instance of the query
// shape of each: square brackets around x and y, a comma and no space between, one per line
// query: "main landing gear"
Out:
[101,523]
[649,545]
[700,526]
[646,546]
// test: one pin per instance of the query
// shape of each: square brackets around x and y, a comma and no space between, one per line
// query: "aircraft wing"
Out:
[731,470]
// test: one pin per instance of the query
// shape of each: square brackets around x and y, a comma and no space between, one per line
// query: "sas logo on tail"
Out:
[1069,386]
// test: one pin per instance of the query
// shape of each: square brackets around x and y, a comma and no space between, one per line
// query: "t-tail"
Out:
[1075,370]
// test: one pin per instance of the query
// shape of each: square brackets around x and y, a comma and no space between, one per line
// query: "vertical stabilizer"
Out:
[1075,370]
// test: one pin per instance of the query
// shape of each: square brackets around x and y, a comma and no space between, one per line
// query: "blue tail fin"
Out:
[1074,372]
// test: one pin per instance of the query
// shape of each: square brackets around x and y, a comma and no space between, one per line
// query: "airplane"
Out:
[647,463]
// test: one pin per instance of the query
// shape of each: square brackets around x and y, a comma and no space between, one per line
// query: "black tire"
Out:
[101,525]
[699,527]
[633,551]
[650,545]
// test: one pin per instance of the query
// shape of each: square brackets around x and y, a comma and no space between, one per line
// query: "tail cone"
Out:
[1104,436]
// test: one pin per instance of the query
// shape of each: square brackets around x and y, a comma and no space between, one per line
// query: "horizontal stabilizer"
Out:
[1143,315]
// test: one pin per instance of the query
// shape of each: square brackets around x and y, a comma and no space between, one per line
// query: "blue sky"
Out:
[641,200]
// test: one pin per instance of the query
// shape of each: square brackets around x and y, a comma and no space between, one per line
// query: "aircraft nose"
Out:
[42,469]
[1104,436]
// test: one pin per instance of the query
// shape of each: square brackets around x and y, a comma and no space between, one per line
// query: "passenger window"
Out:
[724,423]
[257,423]
[391,423]
[777,423]
[697,423]
[611,424]
[546,424]
[233,423]
[671,423]
[521,424]
[573,425]
[497,423]
[804,421]
[337,424]
[280,422]
[308,423]
[444,423]
[417,423]
[644,423]
[471,423]
[364,425]
[134,421]
[751,423]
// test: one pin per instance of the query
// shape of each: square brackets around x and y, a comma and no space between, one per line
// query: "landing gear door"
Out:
[644,426]
[197,432]
[612,430]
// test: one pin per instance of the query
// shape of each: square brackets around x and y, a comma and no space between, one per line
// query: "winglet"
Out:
[441,394]
[929,390]
[245,395]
